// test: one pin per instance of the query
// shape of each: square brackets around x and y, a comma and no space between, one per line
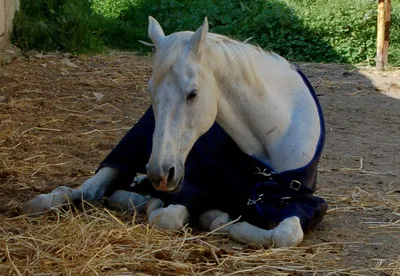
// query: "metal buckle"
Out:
[266,174]
[285,200]
[295,185]
[252,201]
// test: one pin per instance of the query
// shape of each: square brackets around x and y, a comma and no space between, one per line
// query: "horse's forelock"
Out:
[167,53]
[223,51]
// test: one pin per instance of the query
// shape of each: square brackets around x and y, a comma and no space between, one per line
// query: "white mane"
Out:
[221,54]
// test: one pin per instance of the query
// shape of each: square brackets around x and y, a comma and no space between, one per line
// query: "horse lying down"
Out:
[232,132]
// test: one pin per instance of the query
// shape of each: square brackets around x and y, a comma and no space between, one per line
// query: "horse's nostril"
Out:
[171,174]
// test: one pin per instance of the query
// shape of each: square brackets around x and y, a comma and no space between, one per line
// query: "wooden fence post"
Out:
[382,38]
[388,11]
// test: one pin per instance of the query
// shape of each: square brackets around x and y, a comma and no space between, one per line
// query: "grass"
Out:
[301,30]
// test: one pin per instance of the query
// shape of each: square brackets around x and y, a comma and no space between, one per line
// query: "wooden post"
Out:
[382,37]
[388,11]
[380,34]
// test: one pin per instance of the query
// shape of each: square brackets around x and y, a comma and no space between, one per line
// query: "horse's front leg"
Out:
[93,189]
[173,217]
[288,233]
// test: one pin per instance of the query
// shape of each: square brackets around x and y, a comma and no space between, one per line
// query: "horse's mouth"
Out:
[179,185]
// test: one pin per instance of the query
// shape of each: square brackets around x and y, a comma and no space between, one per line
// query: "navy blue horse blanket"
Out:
[218,175]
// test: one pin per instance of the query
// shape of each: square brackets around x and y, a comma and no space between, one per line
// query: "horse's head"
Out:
[184,102]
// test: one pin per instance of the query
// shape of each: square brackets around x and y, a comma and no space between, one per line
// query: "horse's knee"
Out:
[172,217]
[127,201]
[288,233]
[94,188]
[213,219]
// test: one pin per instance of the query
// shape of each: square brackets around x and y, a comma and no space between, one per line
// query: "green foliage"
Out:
[349,27]
[65,25]
[112,8]
[271,24]
[278,27]
[304,30]
[394,45]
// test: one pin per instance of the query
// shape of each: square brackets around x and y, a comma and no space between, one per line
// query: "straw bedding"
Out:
[60,115]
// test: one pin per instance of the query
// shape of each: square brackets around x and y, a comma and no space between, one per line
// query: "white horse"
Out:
[257,97]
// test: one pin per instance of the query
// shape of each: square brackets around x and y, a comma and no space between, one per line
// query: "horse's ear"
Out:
[198,38]
[155,32]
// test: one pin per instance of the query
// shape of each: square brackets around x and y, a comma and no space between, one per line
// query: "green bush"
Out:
[65,25]
[394,44]
[112,8]
[302,30]
[271,24]
[349,27]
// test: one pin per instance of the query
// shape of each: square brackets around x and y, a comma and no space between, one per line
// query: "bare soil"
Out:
[60,115]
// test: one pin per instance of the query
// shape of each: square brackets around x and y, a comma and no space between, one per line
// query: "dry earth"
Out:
[60,116]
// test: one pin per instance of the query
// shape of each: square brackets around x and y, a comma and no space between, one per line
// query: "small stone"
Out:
[5,59]
[31,53]
[69,63]
[2,99]
[98,96]
[11,52]
[101,122]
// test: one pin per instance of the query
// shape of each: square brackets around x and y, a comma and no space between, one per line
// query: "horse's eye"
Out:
[192,95]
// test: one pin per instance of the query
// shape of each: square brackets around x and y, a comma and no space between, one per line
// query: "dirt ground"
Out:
[60,115]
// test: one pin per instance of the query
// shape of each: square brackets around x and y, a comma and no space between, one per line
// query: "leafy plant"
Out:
[349,27]
[302,30]
[112,8]
[65,25]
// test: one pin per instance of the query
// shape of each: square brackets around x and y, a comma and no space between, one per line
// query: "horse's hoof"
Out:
[38,205]
[288,233]
[214,219]
[171,218]
[45,202]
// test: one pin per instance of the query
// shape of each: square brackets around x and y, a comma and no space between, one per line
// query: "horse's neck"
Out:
[276,122]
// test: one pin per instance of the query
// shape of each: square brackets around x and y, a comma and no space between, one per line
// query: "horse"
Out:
[253,109]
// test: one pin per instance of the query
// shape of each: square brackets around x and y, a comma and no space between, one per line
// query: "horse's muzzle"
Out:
[165,180]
